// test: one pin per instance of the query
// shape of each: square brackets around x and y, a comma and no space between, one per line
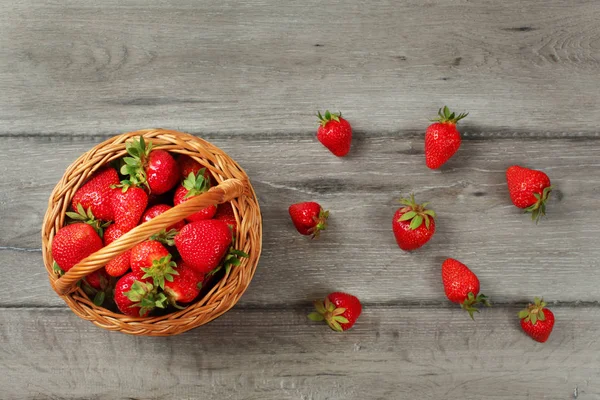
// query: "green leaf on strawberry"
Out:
[87,217]
[161,270]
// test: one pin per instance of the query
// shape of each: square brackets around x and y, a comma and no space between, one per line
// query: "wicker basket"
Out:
[233,185]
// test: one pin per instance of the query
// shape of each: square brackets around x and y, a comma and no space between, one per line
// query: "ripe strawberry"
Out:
[95,195]
[188,165]
[409,229]
[156,169]
[462,286]
[158,209]
[192,186]
[442,139]
[73,243]
[529,189]
[339,310]
[98,279]
[186,286]
[128,206]
[203,244]
[537,321]
[121,263]
[97,286]
[309,218]
[225,214]
[335,133]
[137,297]
[150,259]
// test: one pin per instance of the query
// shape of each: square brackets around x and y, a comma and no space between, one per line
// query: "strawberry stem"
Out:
[445,116]
[471,301]
[416,213]
[320,224]
[538,209]
[534,312]
[323,120]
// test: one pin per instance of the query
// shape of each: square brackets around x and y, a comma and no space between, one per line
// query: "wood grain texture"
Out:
[514,258]
[259,67]
[392,353]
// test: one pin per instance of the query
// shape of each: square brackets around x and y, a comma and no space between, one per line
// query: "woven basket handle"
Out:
[222,193]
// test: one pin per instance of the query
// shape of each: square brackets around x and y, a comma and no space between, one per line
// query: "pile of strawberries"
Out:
[170,269]
[413,224]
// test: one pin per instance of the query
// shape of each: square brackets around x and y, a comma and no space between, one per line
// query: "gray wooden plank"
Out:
[514,258]
[392,353]
[83,67]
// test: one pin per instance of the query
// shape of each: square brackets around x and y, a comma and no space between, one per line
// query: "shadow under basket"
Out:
[233,185]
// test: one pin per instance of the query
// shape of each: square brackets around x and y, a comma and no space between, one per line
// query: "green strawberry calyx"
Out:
[231,259]
[145,296]
[471,301]
[196,183]
[135,165]
[161,270]
[88,217]
[447,117]
[320,223]
[534,312]
[328,312]
[165,237]
[329,116]
[538,209]
[416,213]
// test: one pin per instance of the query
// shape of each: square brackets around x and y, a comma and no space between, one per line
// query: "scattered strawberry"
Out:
[192,186]
[150,259]
[128,205]
[529,189]
[73,243]
[137,297]
[225,214]
[121,263]
[339,310]
[156,169]
[413,224]
[442,139]
[335,133]
[309,218]
[158,209]
[203,244]
[462,286]
[95,195]
[537,321]
[185,286]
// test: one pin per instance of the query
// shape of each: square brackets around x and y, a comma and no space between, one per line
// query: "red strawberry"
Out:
[462,286]
[339,310]
[97,286]
[98,279]
[537,321]
[186,286]
[120,264]
[158,209]
[137,297]
[192,186]
[203,244]
[156,169]
[413,225]
[128,206]
[529,189]
[95,194]
[225,214]
[309,218]
[442,139]
[335,133]
[188,165]
[150,259]
[73,243]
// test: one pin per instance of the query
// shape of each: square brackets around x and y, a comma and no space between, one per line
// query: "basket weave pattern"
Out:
[233,186]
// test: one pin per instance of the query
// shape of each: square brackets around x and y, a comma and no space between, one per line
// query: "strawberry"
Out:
[462,286]
[225,214]
[98,279]
[156,169]
[150,259]
[335,133]
[158,209]
[188,165]
[97,286]
[185,286]
[537,321]
[128,206]
[121,263]
[413,224]
[339,310]
[95,195]
[309,218]
[137,297]
[442,139]
[203,244]
[192,186]
[529,189]
[73,243]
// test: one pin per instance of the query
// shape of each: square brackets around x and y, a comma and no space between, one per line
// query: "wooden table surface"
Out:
[249,77]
